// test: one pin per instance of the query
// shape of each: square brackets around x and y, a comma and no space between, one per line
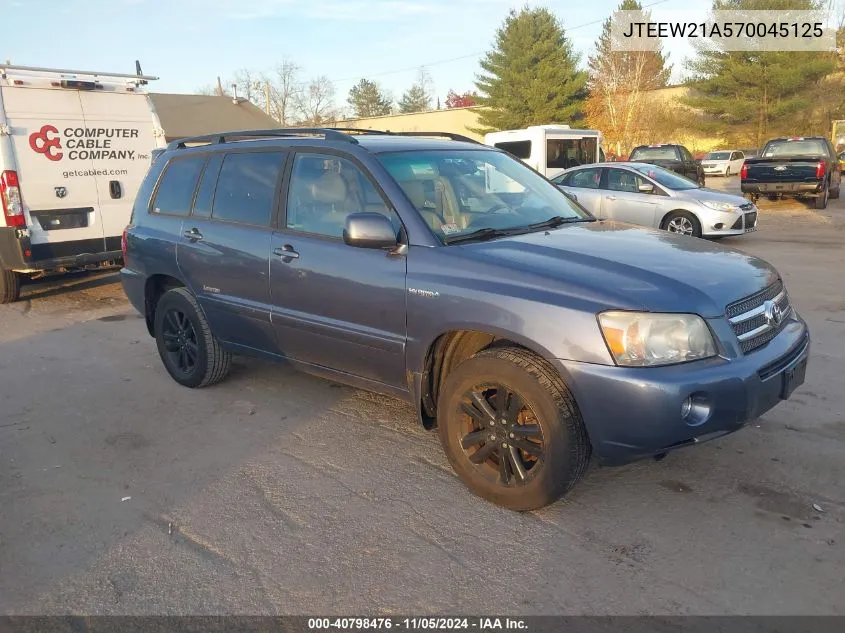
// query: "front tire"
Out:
[682,223]
[511,429]
[728,172]
[191,354]
[10,286]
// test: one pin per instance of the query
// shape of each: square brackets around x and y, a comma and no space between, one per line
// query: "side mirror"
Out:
[369,230]
[645,187]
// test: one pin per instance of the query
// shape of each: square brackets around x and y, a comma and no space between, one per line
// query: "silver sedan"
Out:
[639,193]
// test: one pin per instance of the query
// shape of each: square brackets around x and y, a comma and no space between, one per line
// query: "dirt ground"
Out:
[279,493]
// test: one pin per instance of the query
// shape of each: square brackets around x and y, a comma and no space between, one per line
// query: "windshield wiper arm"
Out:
[557,220]
[481,234]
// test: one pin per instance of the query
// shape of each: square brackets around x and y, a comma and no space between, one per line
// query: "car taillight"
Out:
[743,172]
[123,243]
[10,192]
[820,169]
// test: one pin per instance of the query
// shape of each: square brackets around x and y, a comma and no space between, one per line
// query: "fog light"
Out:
[719,226]
[686,408]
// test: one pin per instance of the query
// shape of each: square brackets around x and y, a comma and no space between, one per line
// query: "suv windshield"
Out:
[668,179]
[718,156]
[654,153]
[488,193]
[809,147]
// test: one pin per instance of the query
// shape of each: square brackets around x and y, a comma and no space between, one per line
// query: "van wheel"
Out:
[10,286]
[683,223]
[511,429]
[188,349]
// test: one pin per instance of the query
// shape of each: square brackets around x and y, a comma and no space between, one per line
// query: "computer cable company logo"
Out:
[43,144]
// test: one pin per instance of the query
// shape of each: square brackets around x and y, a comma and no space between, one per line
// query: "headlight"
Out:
[646,339]
[720,206]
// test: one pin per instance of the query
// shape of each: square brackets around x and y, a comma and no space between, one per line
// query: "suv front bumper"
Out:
[636,412]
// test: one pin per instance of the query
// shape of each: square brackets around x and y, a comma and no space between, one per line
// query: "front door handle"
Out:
[286,252]
[193,235]
[611,197]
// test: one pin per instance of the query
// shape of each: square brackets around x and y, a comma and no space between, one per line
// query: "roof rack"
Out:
[449,135]
[225,137]
[65,71]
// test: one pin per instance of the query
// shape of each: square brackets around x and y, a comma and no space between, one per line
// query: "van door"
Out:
[120,139]
[59,194]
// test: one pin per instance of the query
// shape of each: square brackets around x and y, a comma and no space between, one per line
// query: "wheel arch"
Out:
[446,350]
[154,287]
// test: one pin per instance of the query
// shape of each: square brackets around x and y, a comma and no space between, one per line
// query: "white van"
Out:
[74,148]
[550,149]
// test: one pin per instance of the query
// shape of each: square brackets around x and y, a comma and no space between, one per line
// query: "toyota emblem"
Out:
[773,313]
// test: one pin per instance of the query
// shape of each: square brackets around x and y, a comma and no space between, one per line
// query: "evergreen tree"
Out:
[751,96]
[619,82]
[418,97]
[367,99]
[531,76]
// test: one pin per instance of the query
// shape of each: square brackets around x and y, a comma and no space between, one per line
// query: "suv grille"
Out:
[749,321]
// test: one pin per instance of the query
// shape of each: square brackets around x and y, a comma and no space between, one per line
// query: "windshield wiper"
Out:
[557,220]
[481,234]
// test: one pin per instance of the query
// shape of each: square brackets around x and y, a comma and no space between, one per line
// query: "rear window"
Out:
[246,187]
[807,147]
[520,149]
[176,189]
[566,153]
[654,153]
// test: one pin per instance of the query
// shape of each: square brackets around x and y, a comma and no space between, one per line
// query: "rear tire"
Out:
[524,451]
[10,286]
[682,223]
[821,201]
[191,354]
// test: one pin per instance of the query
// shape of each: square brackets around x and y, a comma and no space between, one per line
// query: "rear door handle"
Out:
[193,235]
[286,252]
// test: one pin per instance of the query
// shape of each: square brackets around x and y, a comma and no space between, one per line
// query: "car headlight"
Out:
[646,339]
[720,206]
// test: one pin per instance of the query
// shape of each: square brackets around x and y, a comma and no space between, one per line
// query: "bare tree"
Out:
[285,89]
[316,103]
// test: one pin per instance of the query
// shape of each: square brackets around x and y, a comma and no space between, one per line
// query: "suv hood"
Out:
[626,267]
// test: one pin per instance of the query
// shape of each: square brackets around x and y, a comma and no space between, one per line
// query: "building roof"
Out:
[193,115]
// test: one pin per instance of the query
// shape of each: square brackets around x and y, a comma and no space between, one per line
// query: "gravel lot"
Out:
[279,493]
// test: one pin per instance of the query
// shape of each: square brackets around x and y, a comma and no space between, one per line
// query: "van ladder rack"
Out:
[65,71]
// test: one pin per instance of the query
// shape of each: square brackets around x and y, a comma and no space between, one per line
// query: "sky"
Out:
[188,43]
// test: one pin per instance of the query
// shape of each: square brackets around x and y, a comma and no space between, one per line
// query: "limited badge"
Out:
[449,228]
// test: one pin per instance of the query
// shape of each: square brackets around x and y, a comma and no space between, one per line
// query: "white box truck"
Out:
[550,149]
[74,148]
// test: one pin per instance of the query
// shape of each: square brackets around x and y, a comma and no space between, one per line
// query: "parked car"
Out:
[796,167]
[530,334]
[676,158]
[74,147]
[649,195]
[723,162]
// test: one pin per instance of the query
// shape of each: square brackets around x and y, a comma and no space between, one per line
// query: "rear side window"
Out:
[520,149]
[246,187]
[176,189]
[586,178]
[205,194]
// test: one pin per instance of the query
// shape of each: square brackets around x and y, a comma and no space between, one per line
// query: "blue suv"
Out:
[449,274]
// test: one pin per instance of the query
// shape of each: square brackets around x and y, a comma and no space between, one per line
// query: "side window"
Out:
[205,194]
[586,178]
[176,189]
[246,187]
[685,155]
[623,180]
[324,189]
[520,149]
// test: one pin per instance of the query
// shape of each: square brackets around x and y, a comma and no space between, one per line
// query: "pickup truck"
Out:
[804,166]
[676,158]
